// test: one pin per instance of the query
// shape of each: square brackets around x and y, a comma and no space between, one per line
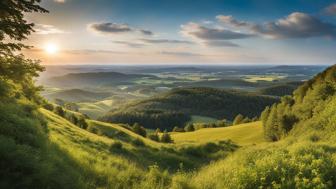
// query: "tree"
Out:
[154,137]
[139,129]
[73,119]
[82,123]
[246,120]
[178,129]
[189,127]
[59,111]
[238,119]
[222,123]
[158,130]
[264,115]
[165,138]
[13,26]
[13,29]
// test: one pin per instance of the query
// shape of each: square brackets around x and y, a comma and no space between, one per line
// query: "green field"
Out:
[202,119]
[244,134]
[256,78]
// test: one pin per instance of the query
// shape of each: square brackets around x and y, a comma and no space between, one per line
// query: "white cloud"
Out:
[331,9]
[43,29]
[59,1]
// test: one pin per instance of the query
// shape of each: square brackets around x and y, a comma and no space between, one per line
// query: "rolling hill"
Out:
[175,108]
[94,79]
[244,134]
[280,89]
[77,95]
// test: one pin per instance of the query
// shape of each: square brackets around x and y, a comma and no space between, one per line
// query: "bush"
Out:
[48,106]
[137,142]
[92,129]
[189,127]
[73,119]
[154,137]
[59,111]
[165,138]
[178,129]
[82,123]
[116,146]
[238,119]
[139,130]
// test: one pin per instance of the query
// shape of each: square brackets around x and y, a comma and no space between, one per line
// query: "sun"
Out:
[51,48]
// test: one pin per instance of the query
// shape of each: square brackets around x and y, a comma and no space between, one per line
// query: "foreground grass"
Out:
[149,165]
[244,134]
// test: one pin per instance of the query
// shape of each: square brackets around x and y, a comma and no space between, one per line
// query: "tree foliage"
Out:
[13,25]
[308,100]
[176,107]
[166,138]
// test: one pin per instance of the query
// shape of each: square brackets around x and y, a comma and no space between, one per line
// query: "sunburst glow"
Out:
[51,48]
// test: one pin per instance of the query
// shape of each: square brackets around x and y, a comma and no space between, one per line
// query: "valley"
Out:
[167,94]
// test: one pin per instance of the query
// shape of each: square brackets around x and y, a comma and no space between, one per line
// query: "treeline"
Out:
[308,100]
[149,119]
[239,119]
[176,107]
[157,136]
[281,89]
[75,118]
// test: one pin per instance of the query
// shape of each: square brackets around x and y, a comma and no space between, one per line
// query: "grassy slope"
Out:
[244,134]
[131,166]
[115,127]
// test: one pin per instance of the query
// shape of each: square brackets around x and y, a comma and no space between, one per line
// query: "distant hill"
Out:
[77,95]
[94,78]
[175,108]
[312,106]
[221,83]
[280,89]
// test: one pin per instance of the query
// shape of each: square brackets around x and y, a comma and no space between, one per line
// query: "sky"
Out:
[184,32]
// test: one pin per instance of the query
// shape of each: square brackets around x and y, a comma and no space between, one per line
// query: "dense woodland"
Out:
[175,107]
[307,101]
[280,89]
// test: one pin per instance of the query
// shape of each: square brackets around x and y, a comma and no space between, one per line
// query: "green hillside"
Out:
[176,107]
[305,155]
[77,95]
[244,134]
[94,78]
[50,147]
[280,89]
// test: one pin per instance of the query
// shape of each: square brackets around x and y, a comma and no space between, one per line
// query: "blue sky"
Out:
[186,31]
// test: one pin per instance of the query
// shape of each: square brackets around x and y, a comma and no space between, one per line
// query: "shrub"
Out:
[154,137]
[189,127]
[137,142]
[92,129]
[48,106]
[59,111]
[165,138]
[238,119]
[73,119]
[314,138]
[139,130]
[116,146]
[82,123]
[178,129]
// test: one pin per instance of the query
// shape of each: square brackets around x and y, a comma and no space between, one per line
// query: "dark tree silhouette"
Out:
[13,24]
